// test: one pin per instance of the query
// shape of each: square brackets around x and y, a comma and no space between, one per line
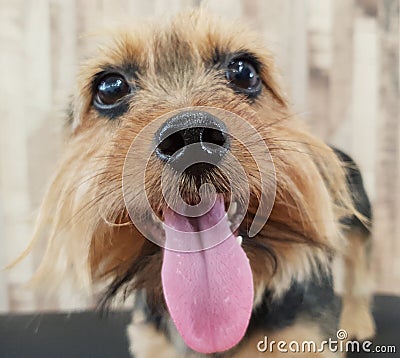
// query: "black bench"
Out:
[87,334]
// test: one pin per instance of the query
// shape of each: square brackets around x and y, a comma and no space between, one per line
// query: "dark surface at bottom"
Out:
[87,334]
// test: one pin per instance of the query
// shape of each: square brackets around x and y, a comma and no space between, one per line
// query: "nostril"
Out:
[170,145]
[215,136]
[192,135]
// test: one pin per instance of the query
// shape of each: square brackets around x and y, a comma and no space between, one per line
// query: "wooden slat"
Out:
[364,85]
[341,69]
[388,174]
[319,62]
[20,114]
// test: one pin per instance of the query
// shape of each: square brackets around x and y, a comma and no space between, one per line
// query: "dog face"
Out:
[179,80]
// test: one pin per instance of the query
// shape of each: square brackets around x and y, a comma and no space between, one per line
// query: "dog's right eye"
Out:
[110,89]
[243,75]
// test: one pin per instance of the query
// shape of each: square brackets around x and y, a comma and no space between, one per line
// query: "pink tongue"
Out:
[209,293]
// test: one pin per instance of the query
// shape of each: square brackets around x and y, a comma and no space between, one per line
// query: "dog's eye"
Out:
[243,75]
[110,89]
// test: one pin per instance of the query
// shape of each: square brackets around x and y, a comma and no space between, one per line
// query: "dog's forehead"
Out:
[173,48]
[183,44]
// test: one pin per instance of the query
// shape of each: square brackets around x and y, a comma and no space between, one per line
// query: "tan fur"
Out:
[356,317]
[83,215]
[144,341]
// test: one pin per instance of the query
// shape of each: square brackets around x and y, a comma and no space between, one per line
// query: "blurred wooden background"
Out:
[340,63]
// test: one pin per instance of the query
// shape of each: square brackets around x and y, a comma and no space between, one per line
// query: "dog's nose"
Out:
[192,137]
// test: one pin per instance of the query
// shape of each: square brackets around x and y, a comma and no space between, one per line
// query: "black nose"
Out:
[192,137]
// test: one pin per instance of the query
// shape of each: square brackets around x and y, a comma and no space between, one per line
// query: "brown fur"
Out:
[83,214]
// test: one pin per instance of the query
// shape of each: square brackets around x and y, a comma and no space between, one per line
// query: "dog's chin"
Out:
[206,277]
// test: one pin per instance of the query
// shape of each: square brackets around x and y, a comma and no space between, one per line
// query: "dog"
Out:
[169,117]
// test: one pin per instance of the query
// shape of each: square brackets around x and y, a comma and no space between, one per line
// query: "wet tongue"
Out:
[209,293]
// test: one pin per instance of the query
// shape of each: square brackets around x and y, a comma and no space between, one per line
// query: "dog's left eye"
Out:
[243,75]
[110,89]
